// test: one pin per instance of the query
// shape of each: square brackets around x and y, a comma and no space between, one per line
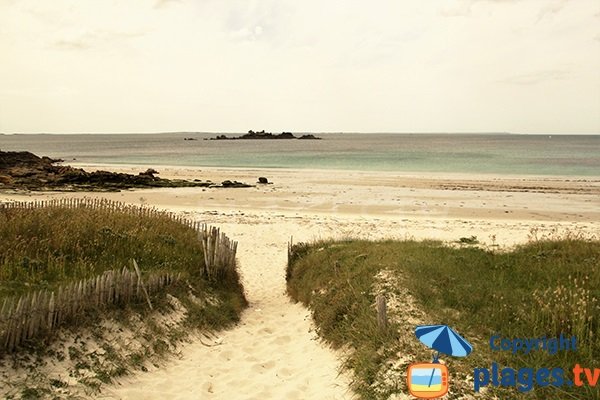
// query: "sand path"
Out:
[273,353]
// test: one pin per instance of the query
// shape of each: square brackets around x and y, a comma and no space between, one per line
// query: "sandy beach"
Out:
[274,351]
[339,108]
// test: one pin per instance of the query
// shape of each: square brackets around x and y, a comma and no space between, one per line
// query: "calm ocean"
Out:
[573,155]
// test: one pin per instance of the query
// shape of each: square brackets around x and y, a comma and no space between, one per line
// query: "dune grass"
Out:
[44,247]
[543,288]
[49,246]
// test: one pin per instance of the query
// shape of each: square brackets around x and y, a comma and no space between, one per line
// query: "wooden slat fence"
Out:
[219,252]
[41,312]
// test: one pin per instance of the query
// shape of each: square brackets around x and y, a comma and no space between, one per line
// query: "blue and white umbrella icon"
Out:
[443,339]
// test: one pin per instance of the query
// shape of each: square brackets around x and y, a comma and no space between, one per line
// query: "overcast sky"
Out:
[523,66]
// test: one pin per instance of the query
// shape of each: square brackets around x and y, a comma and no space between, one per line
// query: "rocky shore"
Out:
[27,171]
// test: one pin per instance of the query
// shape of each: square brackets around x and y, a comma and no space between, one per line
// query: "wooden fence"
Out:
[41,312]
[102,204]
[219,252]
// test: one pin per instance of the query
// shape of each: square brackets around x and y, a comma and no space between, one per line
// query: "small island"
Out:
[266,135]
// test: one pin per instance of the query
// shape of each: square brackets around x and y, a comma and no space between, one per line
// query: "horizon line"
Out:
[303,132]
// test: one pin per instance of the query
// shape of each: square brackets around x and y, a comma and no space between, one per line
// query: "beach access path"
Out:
[273,353]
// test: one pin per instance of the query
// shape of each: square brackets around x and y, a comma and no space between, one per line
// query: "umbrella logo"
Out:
[430,380]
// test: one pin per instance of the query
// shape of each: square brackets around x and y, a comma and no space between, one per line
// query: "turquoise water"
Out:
[573,155]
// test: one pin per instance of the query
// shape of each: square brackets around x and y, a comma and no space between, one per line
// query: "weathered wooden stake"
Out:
[381,312]
[137,271]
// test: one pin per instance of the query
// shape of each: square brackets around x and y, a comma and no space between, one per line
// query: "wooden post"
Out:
[51,312]
[137,271]
[381,312]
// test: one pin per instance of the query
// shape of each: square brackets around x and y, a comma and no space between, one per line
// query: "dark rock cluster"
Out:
[25,170]
[265,135]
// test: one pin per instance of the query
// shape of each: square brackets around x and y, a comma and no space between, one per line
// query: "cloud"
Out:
[73,44]
[95,39]
[165,3]
[551,8]
[247,33]
[463,7]
[534,78]
[256,20]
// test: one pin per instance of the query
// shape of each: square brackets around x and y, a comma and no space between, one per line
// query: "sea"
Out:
[514,154]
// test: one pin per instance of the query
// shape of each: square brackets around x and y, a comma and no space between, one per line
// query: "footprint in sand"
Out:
[263,366]
[282,340]
[285,373]
[249,349]
[208,387]
[268,331]
[293,395]
[261,396]
[251,359]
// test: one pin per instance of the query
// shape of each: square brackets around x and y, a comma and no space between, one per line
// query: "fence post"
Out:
[381,312]
[139,275]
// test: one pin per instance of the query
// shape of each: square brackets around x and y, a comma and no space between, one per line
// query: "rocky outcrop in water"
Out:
[25,170]
[309,137]
[265,135]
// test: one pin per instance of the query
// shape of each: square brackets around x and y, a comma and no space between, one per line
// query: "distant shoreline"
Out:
[307,132]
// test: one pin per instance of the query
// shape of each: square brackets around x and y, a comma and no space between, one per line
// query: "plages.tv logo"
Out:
[430,380]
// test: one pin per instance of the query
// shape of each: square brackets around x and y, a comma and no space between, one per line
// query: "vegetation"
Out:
[543,288]
[44,247]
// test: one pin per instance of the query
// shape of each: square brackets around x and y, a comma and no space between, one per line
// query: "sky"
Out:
[131,66]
